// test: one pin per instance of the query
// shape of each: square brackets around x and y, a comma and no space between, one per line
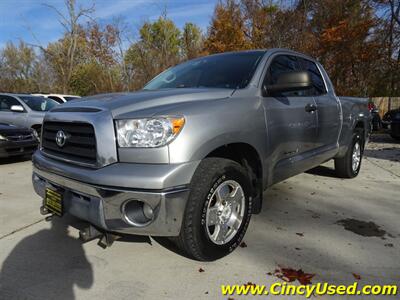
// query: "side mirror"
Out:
[291,81]
[17,108]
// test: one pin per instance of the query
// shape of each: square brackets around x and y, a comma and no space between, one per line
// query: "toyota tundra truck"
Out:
[189,156]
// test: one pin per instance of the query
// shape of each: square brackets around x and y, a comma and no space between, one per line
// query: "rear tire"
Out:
[218,210]
[349,165]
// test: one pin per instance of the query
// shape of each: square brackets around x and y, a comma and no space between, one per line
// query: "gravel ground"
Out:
[333,228]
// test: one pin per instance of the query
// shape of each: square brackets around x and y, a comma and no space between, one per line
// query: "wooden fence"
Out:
[386,103]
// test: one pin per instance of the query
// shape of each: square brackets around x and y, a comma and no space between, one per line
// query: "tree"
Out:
[192,41]
[121,29]
[258,21]
[64,54]
[101,43]
[387,77]
[345,43]
[227,31]
[58,57]
[17,67]
[357,41]
[157,49]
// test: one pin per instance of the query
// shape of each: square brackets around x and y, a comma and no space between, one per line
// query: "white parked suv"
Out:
[58,97]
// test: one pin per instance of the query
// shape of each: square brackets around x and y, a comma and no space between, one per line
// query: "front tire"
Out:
[218,210]
[349,165]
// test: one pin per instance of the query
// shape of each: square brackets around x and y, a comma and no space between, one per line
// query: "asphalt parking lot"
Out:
[333,228]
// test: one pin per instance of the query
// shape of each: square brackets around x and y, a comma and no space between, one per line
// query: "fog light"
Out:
[137,213]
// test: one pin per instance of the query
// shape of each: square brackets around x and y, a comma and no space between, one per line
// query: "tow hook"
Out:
[90,233]
[44,211]
[107,240]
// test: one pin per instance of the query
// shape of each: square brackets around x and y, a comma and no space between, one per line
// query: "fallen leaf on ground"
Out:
[243,245]
[300,233]
[356,276]
[201,270]
[290,275]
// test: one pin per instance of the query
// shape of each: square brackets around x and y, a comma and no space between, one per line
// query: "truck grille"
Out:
[80,144]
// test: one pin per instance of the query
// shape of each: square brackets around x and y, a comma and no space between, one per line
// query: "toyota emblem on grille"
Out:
[61,138]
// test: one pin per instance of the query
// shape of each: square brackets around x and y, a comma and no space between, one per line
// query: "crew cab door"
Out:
[291,123]
[327,112]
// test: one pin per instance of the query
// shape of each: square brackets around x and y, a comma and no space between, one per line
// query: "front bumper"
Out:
[101,204]
[17,148]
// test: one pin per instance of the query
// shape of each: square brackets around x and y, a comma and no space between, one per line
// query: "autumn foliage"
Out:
[358,42]
[345,35]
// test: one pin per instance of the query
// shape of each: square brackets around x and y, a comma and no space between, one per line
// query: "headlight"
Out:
[3,138]
[148,133]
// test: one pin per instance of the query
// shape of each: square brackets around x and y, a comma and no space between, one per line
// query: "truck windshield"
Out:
[230,71]
[38,103]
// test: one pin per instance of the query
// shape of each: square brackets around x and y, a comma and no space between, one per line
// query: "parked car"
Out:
[16,141]
[376,119]
[24,110]
[391,121]
[190,156]
[59,97]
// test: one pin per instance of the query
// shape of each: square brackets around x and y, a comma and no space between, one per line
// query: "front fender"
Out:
[226,121]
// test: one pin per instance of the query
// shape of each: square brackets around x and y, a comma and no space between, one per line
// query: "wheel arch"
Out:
[362,127]
[247,156]
[359,124]
[38,128]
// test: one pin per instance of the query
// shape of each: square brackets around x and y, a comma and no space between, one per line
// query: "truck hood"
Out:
[120,103]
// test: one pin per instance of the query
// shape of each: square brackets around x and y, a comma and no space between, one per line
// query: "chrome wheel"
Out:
[225,212]
[356,157]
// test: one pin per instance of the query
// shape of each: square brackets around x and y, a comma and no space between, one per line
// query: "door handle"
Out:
[310,107]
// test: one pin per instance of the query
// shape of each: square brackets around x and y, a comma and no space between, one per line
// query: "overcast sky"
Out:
[26,19]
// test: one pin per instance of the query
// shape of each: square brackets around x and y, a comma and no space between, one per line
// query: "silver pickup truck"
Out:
[189,156]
